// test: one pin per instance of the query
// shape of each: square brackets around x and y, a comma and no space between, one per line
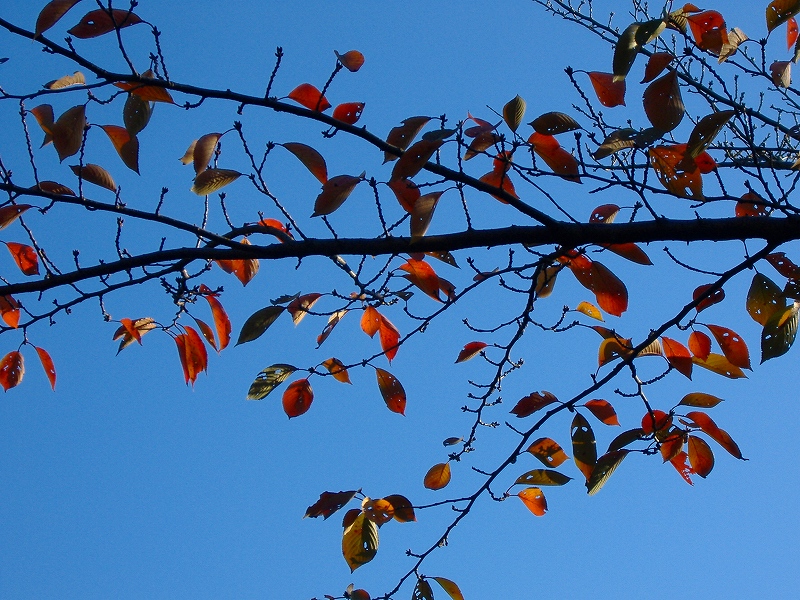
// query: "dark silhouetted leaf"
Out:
[268,379]
[257,323]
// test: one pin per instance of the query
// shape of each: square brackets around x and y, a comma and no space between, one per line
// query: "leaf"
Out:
[349,112]
[422,275]
[257,323]
[52,187]
[611,293]
[780,11]
[244,269]
[370,321]
[708,30]
[706,130]
[95,174]
[352,60]
[192,353]
[12,369]
[221,321]
[781,71]
[700,400]
[336,368]
[211,180]
[683,469]
[733,346]
[450,587]
[667,161]
[67,132]
[603,410]
[700,456]
[422,214]
[656,64]
[553,123]
[452,441]
[148,92]
[470,351]
[546,281]
[51,14]
[77,78]
[126,145]
[792,33]
[333,321]
[392,391]
[414,159]
[606,213]
[207,332]
[99,22]
[543,477]
[584,447]
[533,402]
[715,297]
[422,590]
[709,427]
[9,311]
[630,251]
[360,542]
[549,453]
[764,299]
[603,469]
[559,160]
[403,509]
[513,112]
[481,143]
[297,398]
[534,500]
[46,120]
[402,136]
[716,363]
[378,511]
[329,503]
[188,156]
[671,443]
[204,150]
[300,306]
[501,181]
[735,37]
[312,159]
[625,51]
[783,265]
[751,205]
[26,258]
[307,95]
[663,103]
[136,113]
[437,477]
[779,333]
[334,192]
[268,379]
[609,92]
[625,438]
[677,356]
[616,141]
[406,192]
[132,331]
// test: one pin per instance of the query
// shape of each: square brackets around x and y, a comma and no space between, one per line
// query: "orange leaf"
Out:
[791,33]
[207,332]
[334,192]
[699,344]
[99,22]
[25,256]
[403,509]
[667,161]
[733,346]
[300,306]
[131,329]
[352,60]
[307,95]
[244,269]
[611,293]
[610,93]
[534,500]
[630,251]
[312,159]
[378,511]
[751,205]
[275,224]
[406,192]
[333,321]
[390,338]
[437,477]
[9,311]
[336,368]
[349,112]
[422,275]
[559,160]
[677,355]
[297,398]
[501,181]
[126,145]
[708,29]
[683,469]
[152,93]
[141,326]
[392,391]
[12,368]
[707,425]
[470,351]
[180,342]
[531,403]
[657,62]
[549,453]
[195,352]
[95,174]
[47,365]
[370,321]
[715,297]
[672,445]
[656,420]
[221,321]
[700,456]
[603,410]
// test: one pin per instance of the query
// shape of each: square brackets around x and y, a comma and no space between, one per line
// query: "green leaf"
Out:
[764,299]
[605,466]
[268,380]
[779,333]
[542,477]
[258,323]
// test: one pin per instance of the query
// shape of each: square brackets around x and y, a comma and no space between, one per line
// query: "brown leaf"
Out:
[300,306]
[95,174]
[10,213]
[99,22]
[532,403]
[553,123]
[584,446]
[67,132]
[51,14]
[329,503]
[663,103]
[656,64]
[312,159]
[422,214]
[136,113]
[392,391]
[336,368]
[76,78]
[549,453]
[126,145]
[334,192]
[415,158]
[437,477]
[204,150]
[402,136]
[211,180]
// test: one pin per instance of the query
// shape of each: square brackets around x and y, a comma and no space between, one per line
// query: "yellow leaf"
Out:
[590,310]
[360,542]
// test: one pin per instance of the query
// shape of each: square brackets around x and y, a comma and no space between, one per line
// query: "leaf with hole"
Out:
[584,446]
[360,542]
[534,500]
[542,477]
[392,391]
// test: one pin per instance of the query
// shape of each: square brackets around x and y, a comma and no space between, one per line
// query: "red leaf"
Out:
[671,445]
[791,33]
[9,310]
[207,332]
[658,420]
[414,159]
[657,62]
[334,192]
[329,503]
[705,164]
[244,269]
[25,256]
[700,456]
[610,93]
[390,338]
[51,14]
[700,344]
[470,351]
[733,346]
[297,398]
[47,365]
[604,214]
[99,22]
[630,251]
[709,427]
[559,160]
[683,469]
[783,265]
[131,329]
[603,410]
[12,368]
[307,95]
[708,29]
[715,297]
[221,321]
[501,181]
[392,391]
[677,355]
[611,293]
[349,112]
[751,205]
[531,403]
[406,192]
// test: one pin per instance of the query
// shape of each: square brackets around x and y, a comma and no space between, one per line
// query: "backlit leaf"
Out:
[711,299]
[733,346]
[549,453]
[46,120]
[717,363]
[12,369]
[422,590]
[677,356]
[764,299]
[780,11]
[532,402]
[392,391]
[625,438]
[501,181]
[603,469]
[609,92]
[132,331]
[682,467]
[546,281]
[735,37]
[9,311]
[470,351]
[781,71]
[656,64]
[147,92]
[349,112]
[77,78]
[559,160]
[700,400]
[401,137]
[620,139]
[406,192]
[360,542]
[403,509]
[663,103]
[297,398]
[389,336]
[709,31]
[611,293]
[307,95]
[553,123]
[534,500]
[136,113]
[779,332]
[244,269]
[709,427]
[783,265]
[584,446]
[481,143]
[211,180]
[706,130]
[221,321]
[334,192]
[422,275]
[95,174]
[192,352]
[207,332]
[422,214]
[67,131]
[437,477]
[99,22]
[378,511]
[700,456]
[204,150]
[268,379]
[51,14]
[126,145]
[603,410]
[543,477]
[336,368]
[751,205]
[671,443]
[300,306]
[25,256]
[312,159]
[329,503]
[333,321]
[352,60]
[450,587]
[513,112]
[414,159]
[257,323]
[47,365]
[667,163]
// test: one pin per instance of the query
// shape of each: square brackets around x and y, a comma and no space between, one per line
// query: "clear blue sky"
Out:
[127,484]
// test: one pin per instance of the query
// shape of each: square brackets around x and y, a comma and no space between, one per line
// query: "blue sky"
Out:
[125,483]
